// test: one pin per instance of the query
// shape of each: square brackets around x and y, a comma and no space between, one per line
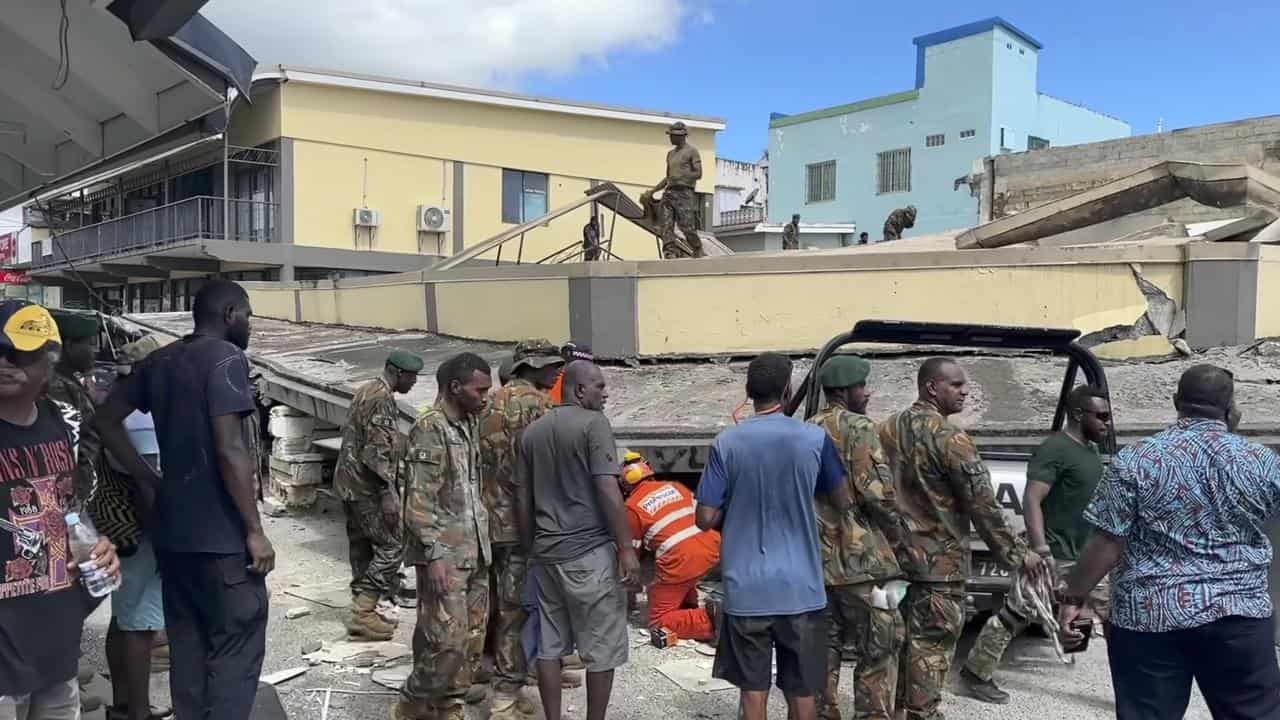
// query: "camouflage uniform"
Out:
[514,407]
[67,389]
[445,519]
[790,237]
[899,220]
[680,203]
[858,555]
[1013,618]
[944,489]
[371,451]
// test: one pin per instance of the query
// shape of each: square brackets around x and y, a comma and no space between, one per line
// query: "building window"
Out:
[1036,143]
[967,134]
[820,182]
[524,196]
[935,140]
[893,171]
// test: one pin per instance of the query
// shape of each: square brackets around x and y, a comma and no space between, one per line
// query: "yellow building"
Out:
[340,175]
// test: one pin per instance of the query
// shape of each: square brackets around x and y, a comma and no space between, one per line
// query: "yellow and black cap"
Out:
[26,327]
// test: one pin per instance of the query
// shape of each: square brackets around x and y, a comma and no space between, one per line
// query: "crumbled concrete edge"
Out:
[1163,316]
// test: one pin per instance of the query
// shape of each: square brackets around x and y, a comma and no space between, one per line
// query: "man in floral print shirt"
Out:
[1181,517]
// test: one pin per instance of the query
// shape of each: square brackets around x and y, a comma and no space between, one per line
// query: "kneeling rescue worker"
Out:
[662,522]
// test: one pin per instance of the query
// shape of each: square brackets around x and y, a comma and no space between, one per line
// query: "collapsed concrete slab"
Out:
[1216,185]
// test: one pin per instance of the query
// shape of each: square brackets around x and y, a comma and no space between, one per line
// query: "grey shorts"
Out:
[583,607]
[59,701]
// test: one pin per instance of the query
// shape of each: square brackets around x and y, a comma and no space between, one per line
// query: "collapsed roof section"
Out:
[1220,186]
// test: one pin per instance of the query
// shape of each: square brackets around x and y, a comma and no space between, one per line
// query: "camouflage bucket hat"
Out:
[536,353]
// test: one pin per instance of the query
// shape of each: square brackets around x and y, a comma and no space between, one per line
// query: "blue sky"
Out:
[1139,61]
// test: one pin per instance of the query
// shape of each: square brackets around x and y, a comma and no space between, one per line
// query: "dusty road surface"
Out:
[311,548]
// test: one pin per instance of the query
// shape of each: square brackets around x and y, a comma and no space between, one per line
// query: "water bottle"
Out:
[82,536]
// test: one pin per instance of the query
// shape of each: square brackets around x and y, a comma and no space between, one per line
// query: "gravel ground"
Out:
[311,548]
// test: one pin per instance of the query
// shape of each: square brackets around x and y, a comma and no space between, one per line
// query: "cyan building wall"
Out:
[982,82]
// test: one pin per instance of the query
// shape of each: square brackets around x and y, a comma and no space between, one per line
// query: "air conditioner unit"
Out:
[365,217]
[433,218]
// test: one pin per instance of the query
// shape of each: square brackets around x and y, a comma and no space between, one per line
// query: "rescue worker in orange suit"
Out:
[662,522]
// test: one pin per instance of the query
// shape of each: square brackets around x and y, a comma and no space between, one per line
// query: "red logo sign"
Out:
[8,248]
[11,277]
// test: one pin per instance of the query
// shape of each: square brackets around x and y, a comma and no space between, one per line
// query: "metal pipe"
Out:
[226,172]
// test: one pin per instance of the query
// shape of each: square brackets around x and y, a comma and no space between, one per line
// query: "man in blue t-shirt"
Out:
[758,488]
[202,516]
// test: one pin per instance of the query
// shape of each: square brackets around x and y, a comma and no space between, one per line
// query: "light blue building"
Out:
[975,95]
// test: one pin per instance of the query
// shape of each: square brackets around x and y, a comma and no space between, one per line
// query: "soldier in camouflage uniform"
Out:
[899,220]
[79,335]
[535,366]
[857,548]
[679,203]
[365,481]
[447,540]
[944,488]
[791,234]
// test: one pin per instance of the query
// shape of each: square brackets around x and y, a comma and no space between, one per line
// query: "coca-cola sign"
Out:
[13,277]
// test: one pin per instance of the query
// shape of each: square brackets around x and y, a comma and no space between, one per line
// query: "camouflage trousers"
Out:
[1009,622]
[934,616]
[679,208]
[875,637]
[376,551]
[448,640]
[507,578]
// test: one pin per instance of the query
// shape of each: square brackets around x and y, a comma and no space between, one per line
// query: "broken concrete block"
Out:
[298,469]
[294,613]
[274,508]
[291,427]
[287,447]
[1148,346]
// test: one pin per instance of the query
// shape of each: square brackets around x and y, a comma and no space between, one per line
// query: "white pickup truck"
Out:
[1008,465]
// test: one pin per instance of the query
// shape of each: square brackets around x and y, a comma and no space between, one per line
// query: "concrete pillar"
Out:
[1221,294]
[602,313]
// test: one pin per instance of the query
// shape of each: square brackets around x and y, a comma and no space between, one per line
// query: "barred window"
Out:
[967,134]
[820,182]
[893,171]
[1036,143]
[935,140]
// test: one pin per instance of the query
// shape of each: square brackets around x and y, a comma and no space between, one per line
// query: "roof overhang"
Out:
[332,78]
[67,105]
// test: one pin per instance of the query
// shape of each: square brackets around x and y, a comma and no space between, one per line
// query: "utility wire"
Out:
[64,49]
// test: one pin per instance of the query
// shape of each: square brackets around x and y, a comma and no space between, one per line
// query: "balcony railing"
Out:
[196,218]
[742,217]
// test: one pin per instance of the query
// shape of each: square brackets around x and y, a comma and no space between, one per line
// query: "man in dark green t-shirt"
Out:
[1061,478]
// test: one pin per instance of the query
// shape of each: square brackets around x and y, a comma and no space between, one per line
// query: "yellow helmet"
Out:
[635,468]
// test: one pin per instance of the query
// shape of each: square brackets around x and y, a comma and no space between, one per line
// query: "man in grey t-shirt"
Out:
[574,526]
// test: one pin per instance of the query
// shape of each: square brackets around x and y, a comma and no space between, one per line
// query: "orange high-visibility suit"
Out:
[661,516]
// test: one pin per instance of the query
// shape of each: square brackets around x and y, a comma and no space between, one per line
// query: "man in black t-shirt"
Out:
[42,607]
[203,516]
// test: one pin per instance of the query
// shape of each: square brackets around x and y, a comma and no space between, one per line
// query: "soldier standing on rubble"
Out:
[791,234]
[899,220]
[943,487]
[524,399]
[858,548]
[447,540]
[679,202]
[365,481]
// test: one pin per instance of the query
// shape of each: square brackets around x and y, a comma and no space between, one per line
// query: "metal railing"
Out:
[741,216]
[196,218]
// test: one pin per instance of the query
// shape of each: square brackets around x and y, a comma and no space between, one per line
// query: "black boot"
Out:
[984,690]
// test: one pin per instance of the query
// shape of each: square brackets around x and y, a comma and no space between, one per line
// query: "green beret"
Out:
[842,371]
[405,361]
[76,326]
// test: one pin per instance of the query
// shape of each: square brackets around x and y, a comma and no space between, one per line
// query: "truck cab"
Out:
[1007,462]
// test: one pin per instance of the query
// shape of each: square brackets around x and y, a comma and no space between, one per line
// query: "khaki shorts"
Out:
[583,606]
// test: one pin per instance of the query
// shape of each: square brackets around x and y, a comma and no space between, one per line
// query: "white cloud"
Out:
[475,42]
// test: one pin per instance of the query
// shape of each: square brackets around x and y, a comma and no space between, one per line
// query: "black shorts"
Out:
[744,653]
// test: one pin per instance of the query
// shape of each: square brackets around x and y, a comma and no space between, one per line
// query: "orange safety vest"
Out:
[661,516]
[558,389]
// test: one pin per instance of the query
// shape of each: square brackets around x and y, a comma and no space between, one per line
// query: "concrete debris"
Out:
[311,647]
[393,677]
[297,612]
[280,676]
[1182,347]
[274,508]
[693,675]
[360,654]
[331,593]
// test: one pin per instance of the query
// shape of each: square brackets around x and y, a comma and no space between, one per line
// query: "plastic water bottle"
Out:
[890,596]
[83,536]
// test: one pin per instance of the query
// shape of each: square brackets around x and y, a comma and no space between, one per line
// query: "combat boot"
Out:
[510,707]
[401,711]
[453,712]
[365,623]
[985,690]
